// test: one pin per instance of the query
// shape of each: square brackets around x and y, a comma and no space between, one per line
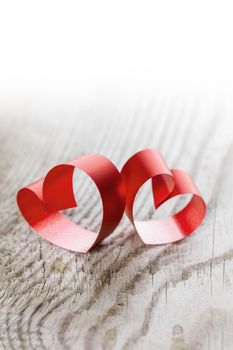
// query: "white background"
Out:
[57,54]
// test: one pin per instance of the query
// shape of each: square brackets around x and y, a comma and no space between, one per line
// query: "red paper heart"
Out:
[166,184]
[41,202]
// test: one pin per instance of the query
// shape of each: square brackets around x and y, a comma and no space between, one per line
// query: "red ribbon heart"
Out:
[166,184]
[41,201]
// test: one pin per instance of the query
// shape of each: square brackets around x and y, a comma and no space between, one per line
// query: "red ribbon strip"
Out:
[166,184]
[41,201]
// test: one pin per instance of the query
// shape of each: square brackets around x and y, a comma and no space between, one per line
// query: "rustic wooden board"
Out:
[122,295]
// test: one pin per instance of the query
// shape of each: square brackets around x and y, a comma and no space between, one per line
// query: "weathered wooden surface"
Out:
[122,295]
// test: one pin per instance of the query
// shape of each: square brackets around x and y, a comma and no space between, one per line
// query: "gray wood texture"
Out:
[123,294]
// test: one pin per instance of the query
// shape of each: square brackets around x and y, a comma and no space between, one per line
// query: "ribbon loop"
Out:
[166,184]
[41,202]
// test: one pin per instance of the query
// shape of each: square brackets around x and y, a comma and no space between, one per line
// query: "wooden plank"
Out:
[122,295]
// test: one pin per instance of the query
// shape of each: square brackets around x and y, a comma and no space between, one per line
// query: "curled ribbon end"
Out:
[30,206]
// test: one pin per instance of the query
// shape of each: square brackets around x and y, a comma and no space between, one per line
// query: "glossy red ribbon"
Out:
[41,202]
[166,184]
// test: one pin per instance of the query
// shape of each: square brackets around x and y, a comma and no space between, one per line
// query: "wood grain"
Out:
[122,295]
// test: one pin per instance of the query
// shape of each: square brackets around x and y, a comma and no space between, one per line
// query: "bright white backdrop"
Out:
[57,54]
